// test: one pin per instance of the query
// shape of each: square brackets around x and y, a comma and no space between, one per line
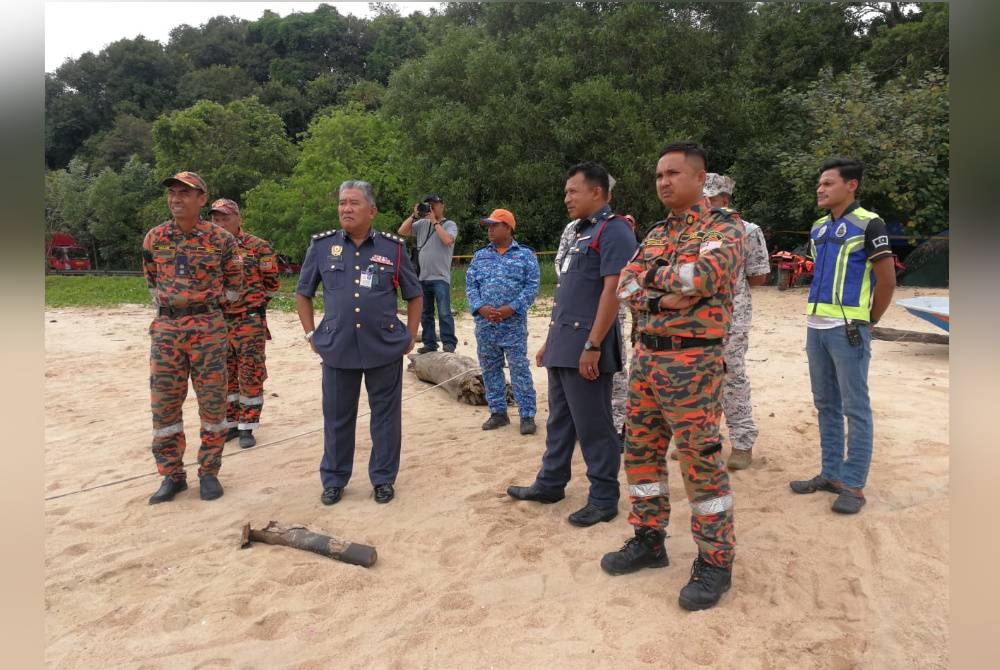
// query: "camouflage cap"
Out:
[717,183]
[225,206]
[191,179]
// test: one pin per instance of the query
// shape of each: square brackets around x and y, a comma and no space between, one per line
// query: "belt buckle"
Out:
[676,342]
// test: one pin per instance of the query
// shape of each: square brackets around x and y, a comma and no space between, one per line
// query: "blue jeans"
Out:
[437,292]
[839,376]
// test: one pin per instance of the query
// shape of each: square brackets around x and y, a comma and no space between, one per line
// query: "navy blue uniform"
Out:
[496,280]
[580,408]
[360,335]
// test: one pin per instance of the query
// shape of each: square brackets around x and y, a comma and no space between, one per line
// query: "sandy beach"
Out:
[467,577]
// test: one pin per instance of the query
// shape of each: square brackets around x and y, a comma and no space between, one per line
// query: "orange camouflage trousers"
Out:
[678,394]
[246,371]
[188,346]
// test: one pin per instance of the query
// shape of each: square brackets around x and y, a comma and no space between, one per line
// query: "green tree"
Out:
[218,83]
[234,147]
[341,144]
[117,225]
[129,136]
[900,132]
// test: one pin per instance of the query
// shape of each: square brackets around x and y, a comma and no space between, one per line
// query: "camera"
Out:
[423,209]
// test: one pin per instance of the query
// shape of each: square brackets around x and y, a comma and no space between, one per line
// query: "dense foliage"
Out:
[488,104]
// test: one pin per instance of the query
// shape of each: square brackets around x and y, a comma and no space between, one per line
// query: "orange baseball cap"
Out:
[500,216]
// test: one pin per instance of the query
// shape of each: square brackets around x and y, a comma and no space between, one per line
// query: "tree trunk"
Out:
[894,335]
[301,537]
[458,375]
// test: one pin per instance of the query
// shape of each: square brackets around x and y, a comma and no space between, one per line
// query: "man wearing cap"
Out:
[680,283]
[501,284]
[583,351]
[736,403]
[360,335]
[246,318]
[434,237]
[192,270]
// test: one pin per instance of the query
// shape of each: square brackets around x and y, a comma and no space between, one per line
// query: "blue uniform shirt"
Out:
[360,327]
[497,279]
[598,251]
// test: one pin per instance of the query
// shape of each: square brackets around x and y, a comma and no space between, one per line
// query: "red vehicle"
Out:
[63,254]
[791,269]
[286,267]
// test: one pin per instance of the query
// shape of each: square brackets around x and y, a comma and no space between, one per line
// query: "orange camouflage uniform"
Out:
[678,370]
[189,276]
[247,324]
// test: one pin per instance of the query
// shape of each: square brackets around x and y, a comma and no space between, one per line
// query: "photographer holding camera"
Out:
[434,245]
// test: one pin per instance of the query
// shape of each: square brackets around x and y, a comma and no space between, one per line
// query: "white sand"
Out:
[466,577]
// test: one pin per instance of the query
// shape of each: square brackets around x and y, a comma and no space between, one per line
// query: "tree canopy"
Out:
[488,104]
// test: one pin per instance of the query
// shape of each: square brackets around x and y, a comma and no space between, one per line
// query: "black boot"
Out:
[247,439]
[168,489]
[496,420]
[708,583]
[645,550]
[232,433]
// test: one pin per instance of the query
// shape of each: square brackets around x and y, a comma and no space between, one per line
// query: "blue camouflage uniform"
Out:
[360,335]
[496,280]
[580,408]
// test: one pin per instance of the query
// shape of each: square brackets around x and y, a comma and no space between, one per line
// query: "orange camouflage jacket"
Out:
[194,268]
[695,252]
[260,273]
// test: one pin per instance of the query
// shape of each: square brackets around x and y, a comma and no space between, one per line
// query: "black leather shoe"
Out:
[534,494]
[496,420]
[708,583]
[384,493]
[247,439]
[589,514]
[645,550]
[211,488]
[169,487]
[331,495]
[528,426]
[426,350]
[450,348]
[233,433]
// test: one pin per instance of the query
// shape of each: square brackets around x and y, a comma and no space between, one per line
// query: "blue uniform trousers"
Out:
[492,344]
[579,408]
[341,390]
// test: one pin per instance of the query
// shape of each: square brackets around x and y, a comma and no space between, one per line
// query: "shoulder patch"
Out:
[327,233]
[526,248]
[392,236]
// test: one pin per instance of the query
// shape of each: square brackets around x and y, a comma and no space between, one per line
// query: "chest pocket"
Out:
[334,275]
[205,261]
[582,257]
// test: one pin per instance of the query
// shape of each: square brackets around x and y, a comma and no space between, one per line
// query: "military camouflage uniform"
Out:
[619,384]
[189,275]
[247,323]
[736,393]
[497,280]
[675,386]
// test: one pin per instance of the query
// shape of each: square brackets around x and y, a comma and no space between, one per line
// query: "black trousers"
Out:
[341,390]
[581,409]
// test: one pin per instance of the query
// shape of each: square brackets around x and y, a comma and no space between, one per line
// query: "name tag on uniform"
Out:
[366,279]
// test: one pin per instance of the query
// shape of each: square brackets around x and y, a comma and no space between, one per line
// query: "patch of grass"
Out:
[102,291]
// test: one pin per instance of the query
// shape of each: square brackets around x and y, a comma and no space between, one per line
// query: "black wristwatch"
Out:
[590,346]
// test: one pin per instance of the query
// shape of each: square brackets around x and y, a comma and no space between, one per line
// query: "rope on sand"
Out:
[242,451]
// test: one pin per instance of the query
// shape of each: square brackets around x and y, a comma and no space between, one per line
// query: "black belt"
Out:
[667,343]
[233,316]
[175,312]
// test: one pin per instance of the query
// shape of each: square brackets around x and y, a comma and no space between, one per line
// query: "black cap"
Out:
[433,197]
